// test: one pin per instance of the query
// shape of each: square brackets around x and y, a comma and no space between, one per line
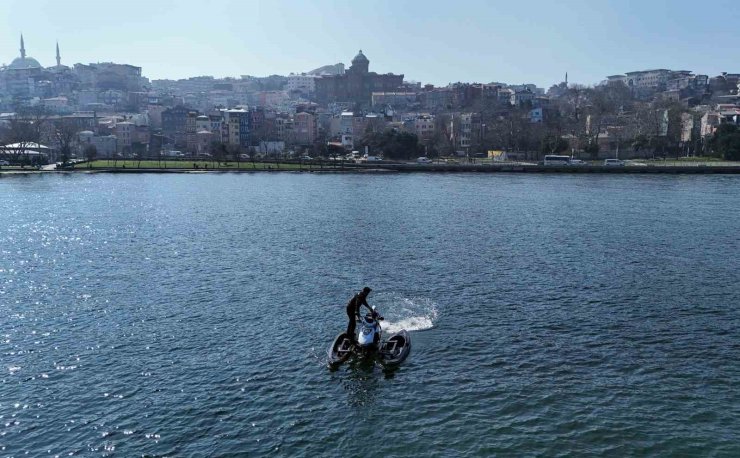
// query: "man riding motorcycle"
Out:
[353,311]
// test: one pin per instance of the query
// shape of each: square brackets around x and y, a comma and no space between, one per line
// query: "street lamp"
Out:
[482,131]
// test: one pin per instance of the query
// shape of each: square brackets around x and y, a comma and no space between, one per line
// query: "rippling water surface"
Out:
[189,314]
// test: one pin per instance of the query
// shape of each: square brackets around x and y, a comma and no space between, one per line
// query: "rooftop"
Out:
[648,71]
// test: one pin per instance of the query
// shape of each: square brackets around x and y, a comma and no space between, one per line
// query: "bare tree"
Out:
[19,136]
[601,106]
[23,133]
[90,152]
[440,142]
[65,135]
[657,125]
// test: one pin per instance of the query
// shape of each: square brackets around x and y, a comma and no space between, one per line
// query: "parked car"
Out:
[617,162]
[423,160]
[306,158]
[639,164]
[4,163]
[577,162]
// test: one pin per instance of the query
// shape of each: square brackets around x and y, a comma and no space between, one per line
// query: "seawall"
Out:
[424,168]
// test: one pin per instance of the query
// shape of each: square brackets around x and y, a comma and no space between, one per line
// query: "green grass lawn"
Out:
[201,165]
[698,160]
[683,159]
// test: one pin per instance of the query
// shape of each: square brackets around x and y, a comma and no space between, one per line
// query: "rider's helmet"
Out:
[366,290]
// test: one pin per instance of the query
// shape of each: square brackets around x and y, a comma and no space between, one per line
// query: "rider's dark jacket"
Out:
[353,306]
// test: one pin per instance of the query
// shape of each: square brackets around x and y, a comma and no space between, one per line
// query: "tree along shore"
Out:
[657,167]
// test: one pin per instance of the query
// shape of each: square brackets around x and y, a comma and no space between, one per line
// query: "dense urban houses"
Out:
[62,89]
[115,109]
[356,85]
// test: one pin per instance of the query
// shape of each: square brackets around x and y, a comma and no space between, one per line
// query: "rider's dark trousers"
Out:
[352,325]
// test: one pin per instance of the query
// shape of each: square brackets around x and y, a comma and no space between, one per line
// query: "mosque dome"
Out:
[360,58]
[24,63]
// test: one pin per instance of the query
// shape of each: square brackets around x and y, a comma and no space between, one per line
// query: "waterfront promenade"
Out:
[657,167]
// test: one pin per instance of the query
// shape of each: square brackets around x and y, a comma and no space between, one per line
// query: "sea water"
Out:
[189,314]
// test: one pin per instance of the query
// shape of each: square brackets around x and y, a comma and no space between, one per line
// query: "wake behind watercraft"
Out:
[389,353]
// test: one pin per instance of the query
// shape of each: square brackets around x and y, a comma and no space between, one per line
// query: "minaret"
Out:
[59,58]
[23,48]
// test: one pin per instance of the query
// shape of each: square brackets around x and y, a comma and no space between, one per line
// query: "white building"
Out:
[346,129]
[645,78]
[305,84]
[124,131]
[202,123]
[519,98]
[527,87]
[57,104]
[466,130]
[424,126]
[106,146]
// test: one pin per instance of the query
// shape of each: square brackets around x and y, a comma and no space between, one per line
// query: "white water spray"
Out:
[411,314]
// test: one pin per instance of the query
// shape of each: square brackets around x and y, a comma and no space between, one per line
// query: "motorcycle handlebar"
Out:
[374,316]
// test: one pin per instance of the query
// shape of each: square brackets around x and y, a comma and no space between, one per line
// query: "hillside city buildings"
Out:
[123,114]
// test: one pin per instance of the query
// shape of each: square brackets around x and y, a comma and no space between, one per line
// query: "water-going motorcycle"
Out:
[390,352]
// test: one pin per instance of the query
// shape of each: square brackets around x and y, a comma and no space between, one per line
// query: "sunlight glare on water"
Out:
[189,315]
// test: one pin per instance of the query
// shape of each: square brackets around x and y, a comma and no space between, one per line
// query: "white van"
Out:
[552,159]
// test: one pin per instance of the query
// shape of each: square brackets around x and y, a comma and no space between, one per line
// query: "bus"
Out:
[552,159]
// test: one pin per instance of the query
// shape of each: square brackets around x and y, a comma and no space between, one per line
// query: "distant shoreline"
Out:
[415,168]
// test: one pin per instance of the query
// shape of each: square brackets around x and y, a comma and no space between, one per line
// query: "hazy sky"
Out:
[430,41]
